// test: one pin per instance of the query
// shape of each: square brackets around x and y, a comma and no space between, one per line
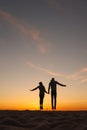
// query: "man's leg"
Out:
[52,100]
[55,101]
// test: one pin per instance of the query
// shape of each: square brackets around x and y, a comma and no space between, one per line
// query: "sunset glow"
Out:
[40,40]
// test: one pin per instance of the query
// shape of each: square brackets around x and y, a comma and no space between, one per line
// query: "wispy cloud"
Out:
[27,32]
[84,70]
[44,47]
[14,21]
[75,76]
[50,72]
[80,75]
[84,80]
[35,34]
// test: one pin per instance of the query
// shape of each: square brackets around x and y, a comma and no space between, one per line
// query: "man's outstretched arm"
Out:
[61,84]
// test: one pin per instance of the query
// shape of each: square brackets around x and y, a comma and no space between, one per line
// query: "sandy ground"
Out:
[43,120]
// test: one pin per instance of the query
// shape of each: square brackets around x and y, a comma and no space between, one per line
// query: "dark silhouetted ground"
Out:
[43,120]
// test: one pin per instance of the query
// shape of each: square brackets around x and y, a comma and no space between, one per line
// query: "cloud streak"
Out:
[50,72]
[75,76]
[32,33]
[81,75]
[84,70]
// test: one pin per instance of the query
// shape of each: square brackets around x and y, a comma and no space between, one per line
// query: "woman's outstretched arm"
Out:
[34,89]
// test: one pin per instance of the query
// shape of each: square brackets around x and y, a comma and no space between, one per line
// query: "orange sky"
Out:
[38,41]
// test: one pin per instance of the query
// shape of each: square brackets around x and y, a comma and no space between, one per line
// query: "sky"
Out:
[41,39]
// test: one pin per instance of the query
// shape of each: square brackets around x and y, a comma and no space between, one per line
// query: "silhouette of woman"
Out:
[42,92]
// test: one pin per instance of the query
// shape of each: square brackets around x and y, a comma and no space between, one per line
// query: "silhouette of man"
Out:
[42,92]
[53,87]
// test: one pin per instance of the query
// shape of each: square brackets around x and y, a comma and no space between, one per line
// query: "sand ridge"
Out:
[43,120]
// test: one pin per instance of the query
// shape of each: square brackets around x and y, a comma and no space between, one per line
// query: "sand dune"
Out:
[43,120]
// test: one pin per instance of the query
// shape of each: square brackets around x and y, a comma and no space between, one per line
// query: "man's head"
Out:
[40,83]
[52,79]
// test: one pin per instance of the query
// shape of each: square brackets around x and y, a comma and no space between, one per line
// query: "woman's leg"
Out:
[41,101]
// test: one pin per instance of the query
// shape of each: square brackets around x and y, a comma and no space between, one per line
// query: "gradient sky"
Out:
[41,39]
